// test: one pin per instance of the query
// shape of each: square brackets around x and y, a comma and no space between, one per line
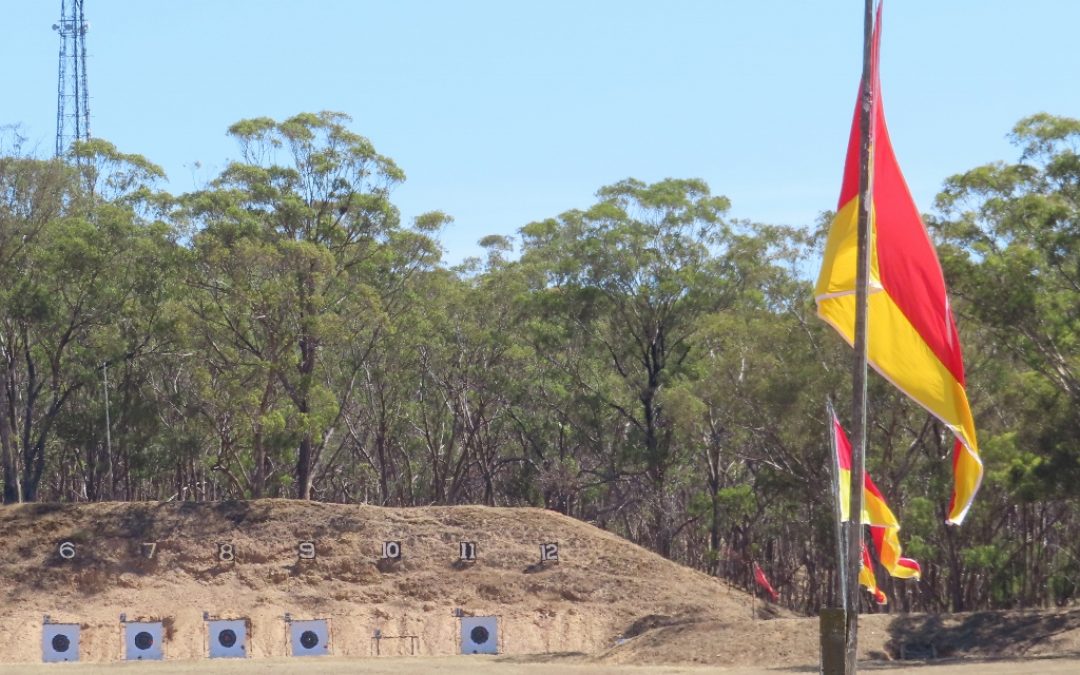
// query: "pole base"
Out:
[833,624]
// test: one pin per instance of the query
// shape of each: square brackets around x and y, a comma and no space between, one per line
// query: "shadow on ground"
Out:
[981,634]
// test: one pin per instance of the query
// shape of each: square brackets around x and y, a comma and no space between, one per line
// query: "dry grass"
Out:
[607,605]
[601,586]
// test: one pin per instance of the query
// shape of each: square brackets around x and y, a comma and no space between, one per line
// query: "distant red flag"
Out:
[759,577]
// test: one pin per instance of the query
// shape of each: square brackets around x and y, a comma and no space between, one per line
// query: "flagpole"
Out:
[858,378]
[833,620]
[841,568]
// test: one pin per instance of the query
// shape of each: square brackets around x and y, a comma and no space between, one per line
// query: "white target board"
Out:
[59,642]
[142,641]
[309,638]
[479,635]
[228,638]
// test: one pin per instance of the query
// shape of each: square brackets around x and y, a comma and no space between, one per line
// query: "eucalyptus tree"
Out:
[34,193]
[632,274]
[1012,254]
[472,367]
[81,258]
[301,262]
[1014,258]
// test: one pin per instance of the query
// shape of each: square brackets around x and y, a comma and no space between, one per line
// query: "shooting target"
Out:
[309,638]
[142,641]
[479,635]
[59,642]
[228,638]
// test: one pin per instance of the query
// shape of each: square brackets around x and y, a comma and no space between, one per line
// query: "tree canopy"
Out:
[645,362]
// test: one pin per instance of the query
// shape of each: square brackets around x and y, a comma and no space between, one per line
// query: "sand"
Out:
[606,605]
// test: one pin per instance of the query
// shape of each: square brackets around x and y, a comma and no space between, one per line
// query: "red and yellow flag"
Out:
[887,544]
[884,526]
[912,339]
[867,579]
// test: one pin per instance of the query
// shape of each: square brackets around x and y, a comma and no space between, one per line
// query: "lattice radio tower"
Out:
[72,98]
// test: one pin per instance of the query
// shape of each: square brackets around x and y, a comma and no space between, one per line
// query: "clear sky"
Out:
[502,112]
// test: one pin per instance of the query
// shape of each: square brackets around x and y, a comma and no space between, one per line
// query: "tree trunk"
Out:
[303,467]
[7,451]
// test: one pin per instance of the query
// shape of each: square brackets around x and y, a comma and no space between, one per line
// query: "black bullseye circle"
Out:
[144,640]
[479,635]
[226,638]
[60,643]
[309,639]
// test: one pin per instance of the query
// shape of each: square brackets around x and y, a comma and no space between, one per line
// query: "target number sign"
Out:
[391,550]
[549,552]
[226,552]
[67,550]
[149,548]
[306,550]
[468,551]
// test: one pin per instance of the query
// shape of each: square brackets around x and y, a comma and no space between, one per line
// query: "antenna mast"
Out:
[72,96]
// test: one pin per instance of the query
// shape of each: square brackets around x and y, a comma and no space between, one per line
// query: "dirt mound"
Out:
[606,601]
[167,562]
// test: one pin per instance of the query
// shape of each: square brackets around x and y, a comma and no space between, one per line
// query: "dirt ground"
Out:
[482,665]
[605,606]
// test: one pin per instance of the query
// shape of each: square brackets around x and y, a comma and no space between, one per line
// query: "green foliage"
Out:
[645,363]
[1013,252]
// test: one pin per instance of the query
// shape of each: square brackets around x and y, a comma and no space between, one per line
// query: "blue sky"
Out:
[501,113]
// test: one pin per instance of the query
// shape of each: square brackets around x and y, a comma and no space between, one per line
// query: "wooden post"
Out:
[833,638]
[858,377]
[833,620]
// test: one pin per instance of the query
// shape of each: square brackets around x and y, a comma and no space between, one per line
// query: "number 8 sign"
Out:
[226,552]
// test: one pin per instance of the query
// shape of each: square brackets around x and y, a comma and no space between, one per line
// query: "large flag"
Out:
[911,335]
[884,526]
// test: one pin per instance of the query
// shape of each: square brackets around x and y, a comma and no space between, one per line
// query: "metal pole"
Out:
[82,106]
[61,81]
[858,379]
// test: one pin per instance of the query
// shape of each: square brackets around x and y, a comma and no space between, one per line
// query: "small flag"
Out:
[884,525]
[759,577]
[867,579]
[887,545]
[911,335]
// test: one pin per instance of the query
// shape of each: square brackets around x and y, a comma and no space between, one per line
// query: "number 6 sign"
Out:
[67,550]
